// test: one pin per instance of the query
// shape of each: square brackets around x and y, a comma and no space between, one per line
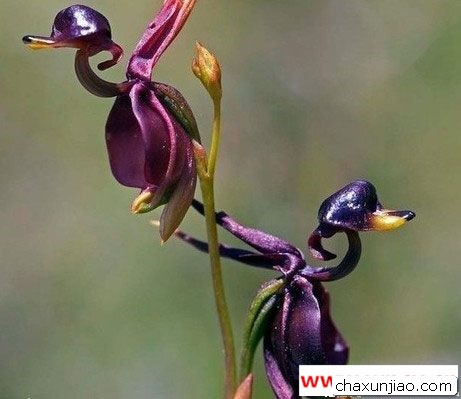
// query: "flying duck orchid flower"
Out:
[150,128]
[293,312]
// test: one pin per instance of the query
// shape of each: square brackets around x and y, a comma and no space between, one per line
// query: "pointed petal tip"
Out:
[38,42]
[409,215]
[117,54]
[164,236]
[143,202]
[316,249]
[322,255]
[167,229]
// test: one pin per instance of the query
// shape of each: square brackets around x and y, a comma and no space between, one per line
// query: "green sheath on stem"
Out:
[258,315]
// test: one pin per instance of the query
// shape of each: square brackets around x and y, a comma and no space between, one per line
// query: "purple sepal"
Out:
[157,37]
[141,140]
[301,332]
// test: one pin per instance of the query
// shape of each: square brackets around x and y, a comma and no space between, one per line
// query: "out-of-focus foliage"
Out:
[316,94]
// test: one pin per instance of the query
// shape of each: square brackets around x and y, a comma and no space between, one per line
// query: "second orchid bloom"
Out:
[150,128]
[292,312]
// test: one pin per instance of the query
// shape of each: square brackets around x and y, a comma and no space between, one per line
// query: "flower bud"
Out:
[206,68]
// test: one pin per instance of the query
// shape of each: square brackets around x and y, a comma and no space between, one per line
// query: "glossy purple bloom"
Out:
[300,329]
[150,128]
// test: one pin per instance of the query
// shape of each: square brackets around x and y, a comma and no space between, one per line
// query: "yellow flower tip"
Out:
[386,220]
[206,68]
[38,43]
[142,202]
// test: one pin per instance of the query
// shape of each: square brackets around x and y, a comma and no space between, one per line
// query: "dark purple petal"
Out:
[125,144]
[276,353]
[157,129]
[142,142]
[301,332]
[280,386]
[266,261]
[157,37]
[335,347]
[261,241]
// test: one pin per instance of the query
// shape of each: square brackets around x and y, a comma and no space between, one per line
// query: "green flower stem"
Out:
[215,138]
[206,176]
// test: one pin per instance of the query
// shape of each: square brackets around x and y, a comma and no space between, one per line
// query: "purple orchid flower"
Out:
[300,329]
[150,128]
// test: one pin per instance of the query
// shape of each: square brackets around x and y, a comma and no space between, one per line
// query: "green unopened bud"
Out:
[206,67]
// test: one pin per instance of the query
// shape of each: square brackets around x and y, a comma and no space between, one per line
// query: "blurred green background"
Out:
[317,93]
